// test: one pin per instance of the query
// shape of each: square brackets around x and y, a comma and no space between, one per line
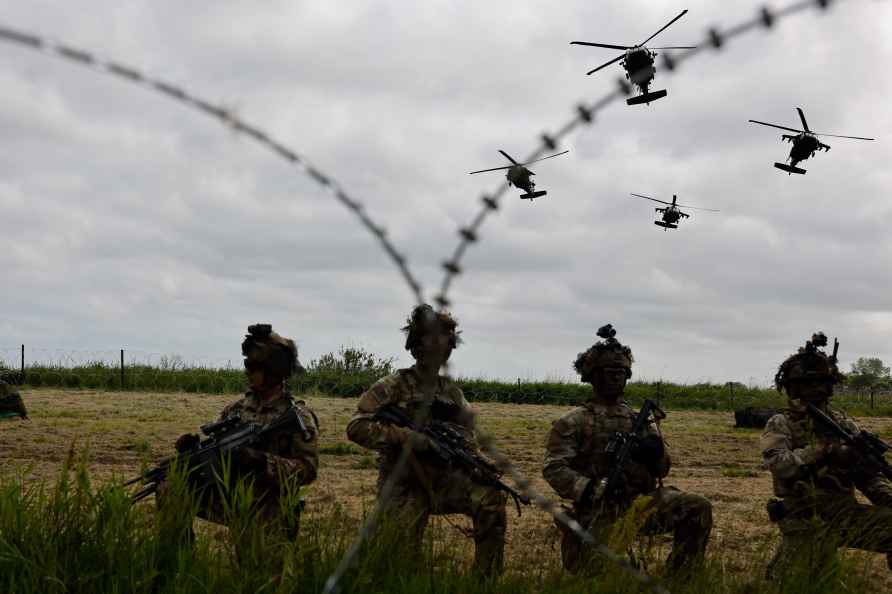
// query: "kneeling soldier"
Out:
[815,469]
[578,463]
[426,485]
[11,403]
[284,454]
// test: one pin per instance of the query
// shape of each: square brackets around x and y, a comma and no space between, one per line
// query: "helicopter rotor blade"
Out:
[675,47]
[507,156]
[802,117]
[776,126]
[654,199]
[696,208]
[683,12]
[607,45]
[604,65]
[493,169]
[543,158]
[841,136]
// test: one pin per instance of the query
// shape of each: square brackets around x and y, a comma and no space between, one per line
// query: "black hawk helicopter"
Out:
[805,144]
[519,176]
[671,214]
[638,62]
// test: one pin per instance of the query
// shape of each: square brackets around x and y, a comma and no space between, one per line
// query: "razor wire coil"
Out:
[716,39]
[585,115]
[766,18]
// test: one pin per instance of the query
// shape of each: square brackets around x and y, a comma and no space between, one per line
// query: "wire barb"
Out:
[549,142]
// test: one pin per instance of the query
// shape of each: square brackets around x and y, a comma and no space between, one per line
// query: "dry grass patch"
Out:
[124,430]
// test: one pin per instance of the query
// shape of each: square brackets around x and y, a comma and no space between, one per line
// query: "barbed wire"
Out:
[585,115]
[228,118]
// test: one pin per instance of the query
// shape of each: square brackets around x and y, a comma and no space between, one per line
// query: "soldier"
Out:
[815,475]
[423,486]
[287,454]
[576,462]
[11,403]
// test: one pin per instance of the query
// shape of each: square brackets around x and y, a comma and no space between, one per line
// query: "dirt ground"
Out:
[710,458]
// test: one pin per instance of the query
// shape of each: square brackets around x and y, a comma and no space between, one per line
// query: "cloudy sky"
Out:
[130,221]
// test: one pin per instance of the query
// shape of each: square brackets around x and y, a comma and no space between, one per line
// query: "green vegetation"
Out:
[73,537]
[350,371]
[341,449]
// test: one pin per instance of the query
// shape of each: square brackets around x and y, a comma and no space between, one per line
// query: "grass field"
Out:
[711,458]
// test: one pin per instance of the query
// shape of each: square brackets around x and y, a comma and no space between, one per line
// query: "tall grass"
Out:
[73,537]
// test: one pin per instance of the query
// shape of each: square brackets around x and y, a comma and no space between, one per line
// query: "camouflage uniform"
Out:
[575,458]
[818,509]
[282,455]
[576,461]
[11,403]
[288,454]
[425,487]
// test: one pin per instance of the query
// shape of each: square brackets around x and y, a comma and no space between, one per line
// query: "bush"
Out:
[347,373]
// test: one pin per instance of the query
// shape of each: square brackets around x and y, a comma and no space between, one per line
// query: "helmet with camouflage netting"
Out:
[424,319]
[809,362]
[604,353]
[264,349]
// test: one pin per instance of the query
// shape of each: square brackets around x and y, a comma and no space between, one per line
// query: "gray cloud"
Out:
[129,221]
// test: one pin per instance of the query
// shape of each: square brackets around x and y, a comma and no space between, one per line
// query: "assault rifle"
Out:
[619,450]
[867,444]
[225,436]
[451,447]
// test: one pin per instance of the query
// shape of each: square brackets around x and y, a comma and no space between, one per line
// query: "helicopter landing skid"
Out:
[532,195]
[665,225]
[647,97]
[790,168]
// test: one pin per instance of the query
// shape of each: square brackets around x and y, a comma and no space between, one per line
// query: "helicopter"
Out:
[519,176]
[638,61]
[671,214]
[805,144]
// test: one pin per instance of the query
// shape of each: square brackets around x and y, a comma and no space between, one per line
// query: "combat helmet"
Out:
[809,362]
[264,349]
[423,319]
[604,353]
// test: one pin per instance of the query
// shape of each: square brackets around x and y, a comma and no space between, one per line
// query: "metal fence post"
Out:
[122,369]
[22,369]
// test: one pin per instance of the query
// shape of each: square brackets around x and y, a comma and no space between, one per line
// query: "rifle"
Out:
[451,447]
[871,447]
[619,449]
[225,436]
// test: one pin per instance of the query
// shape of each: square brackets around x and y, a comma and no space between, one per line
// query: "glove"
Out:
[648,450]
[419,442]
[250,458]
[186,442]
[842,456]
[588,494]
